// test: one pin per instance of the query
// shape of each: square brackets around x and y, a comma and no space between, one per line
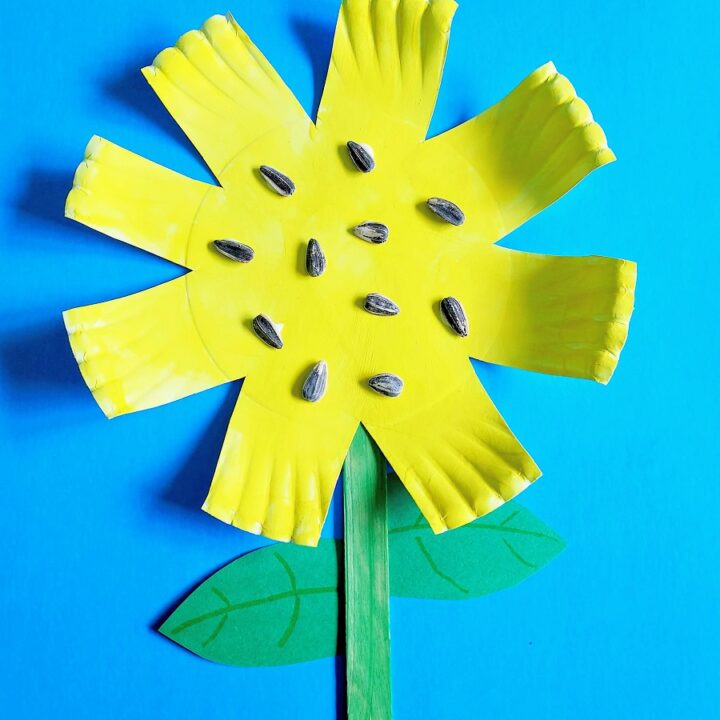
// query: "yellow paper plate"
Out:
[282,455]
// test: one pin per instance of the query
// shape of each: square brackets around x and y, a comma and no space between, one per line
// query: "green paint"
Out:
[279,605]
[367,611]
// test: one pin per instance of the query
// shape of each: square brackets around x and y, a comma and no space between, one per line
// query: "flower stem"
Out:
[367,609]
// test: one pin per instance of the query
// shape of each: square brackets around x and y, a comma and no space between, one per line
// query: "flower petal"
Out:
[385,69]
[522,154]
[134,200]
[280,461]
[142,350]
[559,315]
[457,457]
[222,91]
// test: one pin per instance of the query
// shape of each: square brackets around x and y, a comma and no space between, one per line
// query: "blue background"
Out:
[101,527]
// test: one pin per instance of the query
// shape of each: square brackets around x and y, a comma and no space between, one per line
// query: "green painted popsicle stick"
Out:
[367,609]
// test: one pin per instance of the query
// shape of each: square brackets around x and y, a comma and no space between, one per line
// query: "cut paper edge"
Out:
[623,309]
[135,200]
[128,363]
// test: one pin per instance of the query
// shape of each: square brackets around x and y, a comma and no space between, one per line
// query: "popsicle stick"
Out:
[367,617]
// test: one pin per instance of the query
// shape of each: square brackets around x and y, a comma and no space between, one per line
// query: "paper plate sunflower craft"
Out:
[347,269]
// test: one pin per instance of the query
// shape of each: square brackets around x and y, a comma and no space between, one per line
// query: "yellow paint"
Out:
[443,436]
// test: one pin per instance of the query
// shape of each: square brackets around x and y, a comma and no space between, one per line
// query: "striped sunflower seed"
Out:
[386,384]
[315,262]
[266,331]
[446,210]
[316,382]
[454,314]
[373,232]
[278,182]
[234,250]
[362,156]
[378,304]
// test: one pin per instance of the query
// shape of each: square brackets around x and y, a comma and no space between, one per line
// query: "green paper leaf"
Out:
[275,606]
[279,605]
[492,553]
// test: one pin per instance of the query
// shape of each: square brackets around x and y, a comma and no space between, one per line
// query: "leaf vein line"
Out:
[291,625]
[483,526]
[288,570]
[216,631]
[436,569]
[519,557]
[217,591]
[248,604]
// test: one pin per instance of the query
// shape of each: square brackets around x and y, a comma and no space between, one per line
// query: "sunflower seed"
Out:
[362,156]
[373,232]
[234,250]
[454,314]
[315,262]
[316,382]
[280,183]
[386,384]
[378,304]
[446,210]
[266,331]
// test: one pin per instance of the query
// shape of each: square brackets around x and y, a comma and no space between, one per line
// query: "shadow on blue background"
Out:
[316,39]
[130,90]
[187,489]
[101,520]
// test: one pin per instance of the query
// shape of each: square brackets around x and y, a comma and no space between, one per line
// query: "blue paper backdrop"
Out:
[101,527]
